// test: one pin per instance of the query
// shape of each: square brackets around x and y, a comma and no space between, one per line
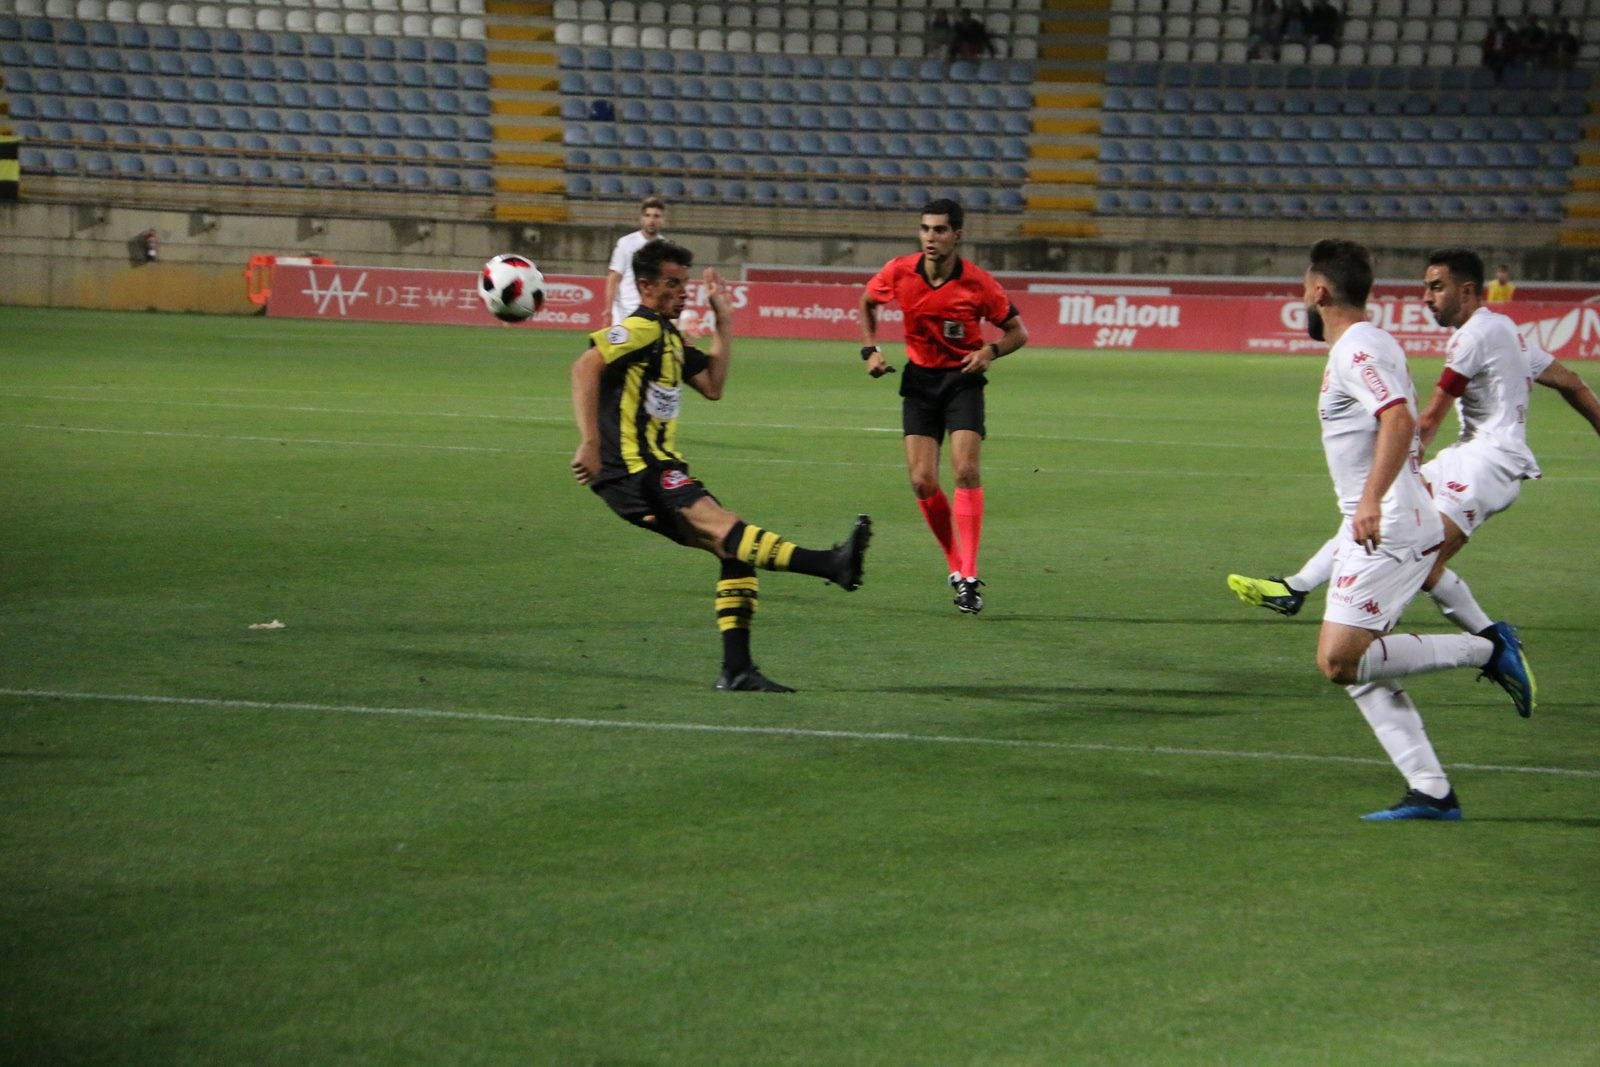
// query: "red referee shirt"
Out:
[943,324]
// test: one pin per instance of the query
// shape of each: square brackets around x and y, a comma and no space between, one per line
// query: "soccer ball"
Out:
[512,288]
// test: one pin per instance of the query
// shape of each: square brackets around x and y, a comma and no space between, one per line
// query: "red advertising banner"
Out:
[828,313]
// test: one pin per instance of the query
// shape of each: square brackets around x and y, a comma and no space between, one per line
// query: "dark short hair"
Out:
[652,202]
[947,207]
[1347,267]
[1464,264]
[648,260]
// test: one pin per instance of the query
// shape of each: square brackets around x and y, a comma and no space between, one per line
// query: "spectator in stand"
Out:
[1499,47]
[1530,41]
[1266,29]
[969,38]
[939,38]
[1296,17]
[1324,23]
[1499,291]
[1563,46]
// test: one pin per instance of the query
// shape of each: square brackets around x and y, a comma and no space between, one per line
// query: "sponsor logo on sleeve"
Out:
[617,335]
[1375,382]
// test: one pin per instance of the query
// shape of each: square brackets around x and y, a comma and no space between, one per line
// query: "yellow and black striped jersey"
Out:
[647,364]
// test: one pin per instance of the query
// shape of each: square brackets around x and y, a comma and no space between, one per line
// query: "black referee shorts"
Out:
[656,493]
[934,402]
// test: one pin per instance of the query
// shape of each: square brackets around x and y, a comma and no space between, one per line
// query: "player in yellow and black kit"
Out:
[625,394]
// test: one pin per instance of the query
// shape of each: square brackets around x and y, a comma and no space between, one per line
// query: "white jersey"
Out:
[1366,373]
[1494,365]
[627,298]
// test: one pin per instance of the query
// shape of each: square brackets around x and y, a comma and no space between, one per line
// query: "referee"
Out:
[946,301]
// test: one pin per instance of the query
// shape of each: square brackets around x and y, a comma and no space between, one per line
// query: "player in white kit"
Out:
[1388,537]
[1488,368]
[622,289]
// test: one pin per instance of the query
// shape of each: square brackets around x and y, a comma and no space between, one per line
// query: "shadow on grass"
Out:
[1537,820]
[1062,696]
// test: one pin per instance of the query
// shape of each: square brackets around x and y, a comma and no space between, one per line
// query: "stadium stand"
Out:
[114,97]
[1092,115]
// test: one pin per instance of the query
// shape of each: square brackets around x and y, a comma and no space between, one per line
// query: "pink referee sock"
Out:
[969,524]
[936,509]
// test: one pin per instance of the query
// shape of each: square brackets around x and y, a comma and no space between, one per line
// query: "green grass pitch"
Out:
[476,802]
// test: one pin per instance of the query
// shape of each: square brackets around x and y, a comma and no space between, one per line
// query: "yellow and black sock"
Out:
[738,595]
[749,543]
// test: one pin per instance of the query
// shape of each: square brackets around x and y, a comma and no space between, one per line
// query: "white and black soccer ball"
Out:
[512,288]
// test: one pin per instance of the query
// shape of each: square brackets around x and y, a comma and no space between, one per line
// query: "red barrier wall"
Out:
[827,312]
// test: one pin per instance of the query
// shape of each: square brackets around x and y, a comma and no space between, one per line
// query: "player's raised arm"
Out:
[1573,390]
[710,382]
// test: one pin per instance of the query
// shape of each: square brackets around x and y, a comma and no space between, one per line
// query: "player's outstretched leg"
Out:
[842,564]
[1417,805]
[1508,667]
[1271,593]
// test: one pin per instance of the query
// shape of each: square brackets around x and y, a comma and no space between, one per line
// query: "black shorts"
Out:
[937,401]
[658,494]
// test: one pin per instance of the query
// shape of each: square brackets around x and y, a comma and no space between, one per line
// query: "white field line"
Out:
[760,461]
[788,732]
[713,424]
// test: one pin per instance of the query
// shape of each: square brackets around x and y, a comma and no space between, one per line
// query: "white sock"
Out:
[1455,599]
[1317,570]
[1402,655]
[1397,724]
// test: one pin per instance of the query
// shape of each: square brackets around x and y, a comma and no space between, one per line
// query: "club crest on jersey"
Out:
[674,479]
[954,331]
[617,335]
[1375,382]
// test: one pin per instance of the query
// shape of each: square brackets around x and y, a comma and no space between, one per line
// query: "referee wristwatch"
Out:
[867,350]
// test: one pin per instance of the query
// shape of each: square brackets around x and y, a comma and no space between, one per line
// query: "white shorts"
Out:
[1469,485]
[1371,590]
